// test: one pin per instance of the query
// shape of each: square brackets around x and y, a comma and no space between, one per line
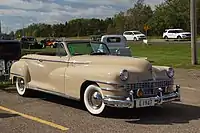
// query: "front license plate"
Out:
[145,102]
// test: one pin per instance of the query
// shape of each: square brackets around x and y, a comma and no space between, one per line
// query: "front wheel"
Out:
[179,38]
[93,100]
[134,39]
[21,87]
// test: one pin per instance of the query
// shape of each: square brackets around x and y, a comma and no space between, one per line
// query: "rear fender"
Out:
[20,69]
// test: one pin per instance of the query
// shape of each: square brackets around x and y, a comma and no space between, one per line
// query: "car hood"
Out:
[185,33]
[118,61]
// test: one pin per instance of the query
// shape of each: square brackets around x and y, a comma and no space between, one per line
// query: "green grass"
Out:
[5,84]
[176,55]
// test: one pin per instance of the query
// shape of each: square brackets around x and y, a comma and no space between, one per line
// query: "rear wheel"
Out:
[93,100]
[21,87]
[166,38]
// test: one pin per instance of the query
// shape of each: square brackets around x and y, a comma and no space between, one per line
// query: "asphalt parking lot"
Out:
[45,113]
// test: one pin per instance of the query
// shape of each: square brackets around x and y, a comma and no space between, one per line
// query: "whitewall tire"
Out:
[21,87]
[93,100]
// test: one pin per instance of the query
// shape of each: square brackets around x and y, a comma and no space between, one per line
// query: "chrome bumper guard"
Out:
[130,102]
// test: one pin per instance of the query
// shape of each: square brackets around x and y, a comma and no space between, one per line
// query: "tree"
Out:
[119,22]
[138,16]
[170,14]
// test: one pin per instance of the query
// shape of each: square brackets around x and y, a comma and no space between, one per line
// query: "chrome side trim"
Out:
[131,83]
[54,93]
[115,97]
[105,82]
[73,62]
[29,58]
[110,89]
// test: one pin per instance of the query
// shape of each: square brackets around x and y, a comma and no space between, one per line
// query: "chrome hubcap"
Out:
[21,84]
[95,99]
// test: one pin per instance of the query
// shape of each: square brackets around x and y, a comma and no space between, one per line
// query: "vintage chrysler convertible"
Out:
[86,71]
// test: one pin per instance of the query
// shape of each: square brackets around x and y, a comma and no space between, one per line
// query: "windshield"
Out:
[179,31]
[28,39]
[113,39]
[137,32]
[88,49]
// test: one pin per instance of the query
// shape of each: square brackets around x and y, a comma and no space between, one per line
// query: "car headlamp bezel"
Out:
[124,75]
[170,72]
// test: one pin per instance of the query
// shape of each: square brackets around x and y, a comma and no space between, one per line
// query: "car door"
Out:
[171,34]
[52,68]
[128,35]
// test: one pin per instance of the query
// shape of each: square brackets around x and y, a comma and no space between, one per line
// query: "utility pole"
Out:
[0,27]
[23,27]
[193,32]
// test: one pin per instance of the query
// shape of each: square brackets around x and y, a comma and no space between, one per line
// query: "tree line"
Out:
[169,14]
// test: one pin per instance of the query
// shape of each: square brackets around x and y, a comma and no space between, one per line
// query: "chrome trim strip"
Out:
[54,93]
[115,97]
[109,89]
[132,83]
[16,74]
[105,82]
[29,58]
[73,62]
[43,60]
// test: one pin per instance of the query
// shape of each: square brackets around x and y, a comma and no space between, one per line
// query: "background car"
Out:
[178,34]
[10,51]
[134,35]
[30,42]
[117,45]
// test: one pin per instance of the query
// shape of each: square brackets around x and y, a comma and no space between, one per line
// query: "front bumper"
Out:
[130,102]
[141,38]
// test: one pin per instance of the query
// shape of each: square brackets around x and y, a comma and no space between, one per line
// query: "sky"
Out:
[16,13]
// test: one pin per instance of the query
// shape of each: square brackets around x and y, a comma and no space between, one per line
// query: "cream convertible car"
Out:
[87,72]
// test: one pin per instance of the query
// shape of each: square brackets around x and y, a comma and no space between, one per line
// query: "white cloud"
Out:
[14,12]
[30,5]
[103,2]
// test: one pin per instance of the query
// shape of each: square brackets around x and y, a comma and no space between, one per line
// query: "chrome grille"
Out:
[149,84]
[150,88]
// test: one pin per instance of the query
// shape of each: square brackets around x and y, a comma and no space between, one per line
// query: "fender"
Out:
[160,71]
[20,69]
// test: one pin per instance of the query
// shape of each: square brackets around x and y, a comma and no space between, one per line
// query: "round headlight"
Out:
[124,75]
[170,72]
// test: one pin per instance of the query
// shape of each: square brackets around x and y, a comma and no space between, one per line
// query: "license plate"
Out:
[145,102]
